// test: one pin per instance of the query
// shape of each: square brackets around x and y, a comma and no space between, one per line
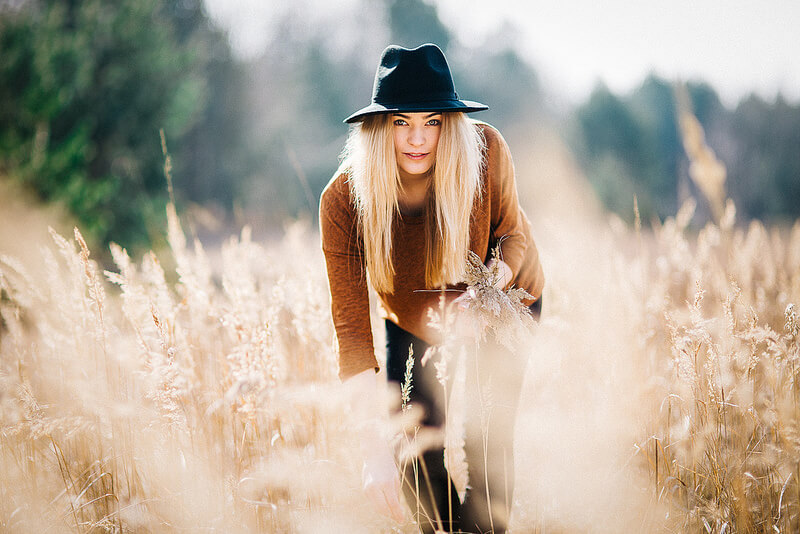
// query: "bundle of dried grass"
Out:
[501,313]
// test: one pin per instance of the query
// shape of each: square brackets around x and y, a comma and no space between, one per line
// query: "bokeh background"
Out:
[194,388]
[251,96]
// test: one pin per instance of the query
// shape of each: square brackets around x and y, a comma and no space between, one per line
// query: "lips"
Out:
[415,155]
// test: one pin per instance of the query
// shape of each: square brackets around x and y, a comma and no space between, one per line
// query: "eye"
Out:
[399,122]
[434,122]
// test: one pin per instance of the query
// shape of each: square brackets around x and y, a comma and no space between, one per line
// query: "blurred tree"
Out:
[631,145]
[610,126]
[476,71]
[209,154]
[85,87]
[764,176]
[415,22]
[614,152]
[299,95]
[517,101]
[653,107]
[303,87]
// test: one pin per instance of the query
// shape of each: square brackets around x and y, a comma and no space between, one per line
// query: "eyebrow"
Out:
[407,116]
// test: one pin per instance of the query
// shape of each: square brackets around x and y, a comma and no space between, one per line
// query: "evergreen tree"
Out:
[84,89]
[415,22]
[764,175]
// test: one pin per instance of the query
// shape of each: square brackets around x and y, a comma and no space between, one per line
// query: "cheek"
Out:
[435,143]
[396,140]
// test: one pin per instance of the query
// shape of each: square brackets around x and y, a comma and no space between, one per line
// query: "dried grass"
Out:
[662,394]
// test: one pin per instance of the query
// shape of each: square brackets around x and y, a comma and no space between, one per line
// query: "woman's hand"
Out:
[470,324]
[380,478]
[504,270]
[381,482]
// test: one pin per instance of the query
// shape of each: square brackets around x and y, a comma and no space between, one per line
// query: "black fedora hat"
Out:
[411,80]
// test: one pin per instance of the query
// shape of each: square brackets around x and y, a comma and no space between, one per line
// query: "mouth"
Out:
[415,155]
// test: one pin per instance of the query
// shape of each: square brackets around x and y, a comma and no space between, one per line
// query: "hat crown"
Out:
[414,80]
[413,75]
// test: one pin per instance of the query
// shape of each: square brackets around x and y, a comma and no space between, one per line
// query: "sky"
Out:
[739,46]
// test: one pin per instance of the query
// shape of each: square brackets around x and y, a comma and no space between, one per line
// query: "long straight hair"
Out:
[369,160]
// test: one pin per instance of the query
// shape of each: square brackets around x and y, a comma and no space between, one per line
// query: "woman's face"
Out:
[416,136]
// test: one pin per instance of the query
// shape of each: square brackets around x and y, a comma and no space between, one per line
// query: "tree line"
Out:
[85,87]
[630,144]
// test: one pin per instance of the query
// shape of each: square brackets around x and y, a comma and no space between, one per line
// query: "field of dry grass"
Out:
[175,393]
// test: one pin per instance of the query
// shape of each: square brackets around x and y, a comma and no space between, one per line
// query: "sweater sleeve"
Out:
[507,219]
[347,280]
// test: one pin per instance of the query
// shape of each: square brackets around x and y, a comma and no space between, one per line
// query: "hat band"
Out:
[440,97]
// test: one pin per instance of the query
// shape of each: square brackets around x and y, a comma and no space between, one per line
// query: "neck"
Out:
[414,193]
[415,180]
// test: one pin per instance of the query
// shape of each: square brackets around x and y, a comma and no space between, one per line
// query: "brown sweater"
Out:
[494,216]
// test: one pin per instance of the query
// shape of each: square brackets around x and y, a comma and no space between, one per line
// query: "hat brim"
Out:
[464,106]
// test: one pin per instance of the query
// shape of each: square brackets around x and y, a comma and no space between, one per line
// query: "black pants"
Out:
[493,382]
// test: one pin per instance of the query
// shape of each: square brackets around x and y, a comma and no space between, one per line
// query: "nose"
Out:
[416,136]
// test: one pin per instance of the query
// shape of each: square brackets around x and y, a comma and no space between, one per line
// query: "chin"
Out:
[416,169]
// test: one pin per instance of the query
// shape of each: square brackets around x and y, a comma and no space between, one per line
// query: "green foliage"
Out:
[494,73]
[614,149]
[765,175]
[630,145]
[612,125]
[85,87]
[299,96]
[303,88]
[504,81]
[415,22]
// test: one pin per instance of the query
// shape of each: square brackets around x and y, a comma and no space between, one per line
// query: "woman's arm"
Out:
[347,280]
[507,221]
[506,275]
[380,478]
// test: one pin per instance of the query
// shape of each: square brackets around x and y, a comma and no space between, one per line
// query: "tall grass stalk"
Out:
[194,390]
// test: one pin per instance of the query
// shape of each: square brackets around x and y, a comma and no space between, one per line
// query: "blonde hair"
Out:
[369,159]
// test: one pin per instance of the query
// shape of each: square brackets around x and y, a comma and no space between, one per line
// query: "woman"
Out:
[420,185]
